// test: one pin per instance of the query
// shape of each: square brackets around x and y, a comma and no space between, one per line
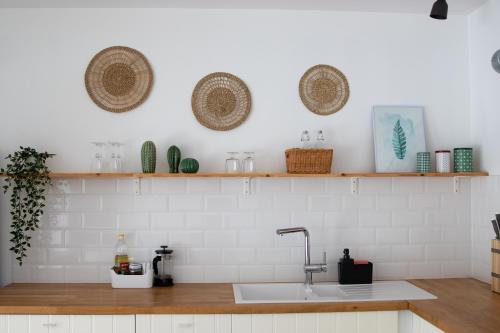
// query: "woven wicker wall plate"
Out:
[118,79]
[221,101]
[324,89]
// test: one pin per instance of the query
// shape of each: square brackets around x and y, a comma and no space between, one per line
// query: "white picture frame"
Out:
[398,135]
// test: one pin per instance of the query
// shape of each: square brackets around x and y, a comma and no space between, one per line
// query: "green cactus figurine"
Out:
[148,157]
[173,159]
[189,165]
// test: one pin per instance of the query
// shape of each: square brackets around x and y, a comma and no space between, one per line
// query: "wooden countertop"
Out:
[463,305]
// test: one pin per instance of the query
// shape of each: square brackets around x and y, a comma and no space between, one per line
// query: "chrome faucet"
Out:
[308,267]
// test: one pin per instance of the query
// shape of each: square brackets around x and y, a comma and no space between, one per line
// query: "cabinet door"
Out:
[183,323]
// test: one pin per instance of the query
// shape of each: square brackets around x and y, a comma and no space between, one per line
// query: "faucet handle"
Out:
[324,257]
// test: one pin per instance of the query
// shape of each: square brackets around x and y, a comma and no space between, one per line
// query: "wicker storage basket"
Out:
[309,160]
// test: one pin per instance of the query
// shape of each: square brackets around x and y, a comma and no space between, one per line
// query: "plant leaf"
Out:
[399,141]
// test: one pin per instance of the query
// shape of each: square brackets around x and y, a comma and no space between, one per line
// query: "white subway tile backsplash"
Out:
[99,221]
[202,221]
[61,186]
[81,274]
[221,238]
[273,185]
[221,273]
[99,256]
[239,220]
[375,185]
[409,227]
[407,185]
[133,221]
[99,186]
[85,238]
[425,201]
[273,220]
[64,256]
[375,219]
[187,239]
[258,203]
[168,186]
[186,202]
[203,185]
[221,203]
[391,202]
[309,185]
[239,256]
[61,221]
[341,219]
[83,203]
[48,238]
[325,203]
[152,239]
[256,238]
[408,218]
[273,255]
[256,273]
[439,185]
[170,221]
[290,203]
[439,252]
[408,253]
[338,185]
[392,236]
[205,256]
[355,202]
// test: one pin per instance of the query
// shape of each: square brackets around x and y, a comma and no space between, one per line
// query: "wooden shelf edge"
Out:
[261,175]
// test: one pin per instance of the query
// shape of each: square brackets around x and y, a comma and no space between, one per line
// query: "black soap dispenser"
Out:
[354,272]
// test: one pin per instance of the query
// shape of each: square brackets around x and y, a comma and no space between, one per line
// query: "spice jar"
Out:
[443,161]
[462,159]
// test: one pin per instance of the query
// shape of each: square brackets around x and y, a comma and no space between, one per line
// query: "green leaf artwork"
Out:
[399,141]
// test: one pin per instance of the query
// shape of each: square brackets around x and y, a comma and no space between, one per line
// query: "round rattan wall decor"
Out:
[324,89]
[118,79]
[221,101]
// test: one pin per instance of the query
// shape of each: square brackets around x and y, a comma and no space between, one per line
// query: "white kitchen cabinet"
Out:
[183,323]
[412,323]
[339,322]
[66,324]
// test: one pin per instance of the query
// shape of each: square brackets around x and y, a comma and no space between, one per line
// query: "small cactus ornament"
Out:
[148,157]
[173,159]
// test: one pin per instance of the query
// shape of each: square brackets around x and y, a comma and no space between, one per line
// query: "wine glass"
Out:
[249,162]
[98,159]
[305,140]
[116,157]
[232,163]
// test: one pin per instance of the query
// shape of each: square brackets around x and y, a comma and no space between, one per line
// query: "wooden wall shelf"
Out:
[260,175]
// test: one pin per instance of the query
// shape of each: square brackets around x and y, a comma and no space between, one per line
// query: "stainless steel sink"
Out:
[327,292]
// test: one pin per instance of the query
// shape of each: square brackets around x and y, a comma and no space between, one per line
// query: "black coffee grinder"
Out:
[162,267]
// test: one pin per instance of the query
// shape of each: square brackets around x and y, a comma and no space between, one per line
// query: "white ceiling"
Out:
[402,6]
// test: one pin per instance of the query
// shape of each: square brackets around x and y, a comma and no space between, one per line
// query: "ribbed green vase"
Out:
[189,165]
[148,157]
[173,159]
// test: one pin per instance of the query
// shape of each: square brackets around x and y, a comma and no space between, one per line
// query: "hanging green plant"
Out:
[28,177]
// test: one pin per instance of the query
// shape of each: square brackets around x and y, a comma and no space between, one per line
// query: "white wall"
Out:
[387,58]
[484,29]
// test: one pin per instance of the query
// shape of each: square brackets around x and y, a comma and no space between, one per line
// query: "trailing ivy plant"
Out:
[27,177]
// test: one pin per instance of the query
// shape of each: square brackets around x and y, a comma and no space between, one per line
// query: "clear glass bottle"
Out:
[121,254]
[305,140]
[320,140]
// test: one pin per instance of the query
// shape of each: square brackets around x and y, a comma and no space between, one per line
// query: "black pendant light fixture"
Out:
[440,10]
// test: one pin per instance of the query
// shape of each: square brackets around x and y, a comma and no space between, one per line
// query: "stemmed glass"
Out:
[116,160]
[98,159]
[249,162]
[232,163]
